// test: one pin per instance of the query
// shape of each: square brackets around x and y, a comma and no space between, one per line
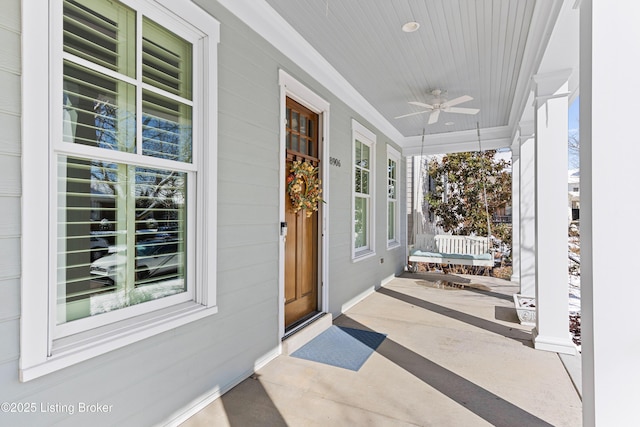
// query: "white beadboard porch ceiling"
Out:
[466,47]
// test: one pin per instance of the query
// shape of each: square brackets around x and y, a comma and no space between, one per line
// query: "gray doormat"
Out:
[343,347]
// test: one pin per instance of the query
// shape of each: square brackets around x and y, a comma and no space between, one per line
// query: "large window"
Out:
[122,220]
[363,183]
[126,153]
[393,211]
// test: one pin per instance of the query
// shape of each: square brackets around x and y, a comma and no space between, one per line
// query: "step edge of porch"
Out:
[306,333]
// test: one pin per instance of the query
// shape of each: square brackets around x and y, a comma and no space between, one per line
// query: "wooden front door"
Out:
[301,244]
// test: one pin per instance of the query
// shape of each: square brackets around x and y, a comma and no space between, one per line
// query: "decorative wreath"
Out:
[303,187]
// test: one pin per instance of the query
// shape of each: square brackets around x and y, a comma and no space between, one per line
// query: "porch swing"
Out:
[454,253]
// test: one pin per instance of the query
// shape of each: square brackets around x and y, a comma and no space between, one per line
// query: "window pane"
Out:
[358,158]
[391,226]
[392,169]
[361,218]
[166,60]
[166,128]
[98,110]
[365,156]
[303,125]
[160,223]
[102,32]
[392,189]
[365,182]
[303,145]
[121,236]
[295,144]
[310,125]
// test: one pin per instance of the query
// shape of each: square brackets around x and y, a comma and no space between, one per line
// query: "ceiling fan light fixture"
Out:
[439,104]
[410,27]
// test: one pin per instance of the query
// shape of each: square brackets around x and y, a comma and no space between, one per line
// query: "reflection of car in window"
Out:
[99,247]
[156,260]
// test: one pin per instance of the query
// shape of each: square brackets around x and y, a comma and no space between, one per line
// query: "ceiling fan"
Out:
[441,104]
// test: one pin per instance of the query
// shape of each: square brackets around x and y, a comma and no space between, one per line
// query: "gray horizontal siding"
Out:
[10,89]
[10,16]
[10,339]
[10,135]
[9,50]
[10,258]
[150,380]
[10,189]
[9,299]
[10,167]
[349,279]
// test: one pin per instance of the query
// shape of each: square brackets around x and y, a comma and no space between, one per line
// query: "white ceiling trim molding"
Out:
[527,130]
[545,16]
[456,142]
[264,20]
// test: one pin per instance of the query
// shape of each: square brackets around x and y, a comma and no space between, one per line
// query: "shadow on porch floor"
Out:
[453,356]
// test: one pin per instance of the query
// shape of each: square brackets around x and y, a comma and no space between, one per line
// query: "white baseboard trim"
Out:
[387,280]
[362,295]
[207,398]
[268,357]
[355,300]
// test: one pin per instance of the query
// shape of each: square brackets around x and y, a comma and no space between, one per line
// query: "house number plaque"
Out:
[334,162]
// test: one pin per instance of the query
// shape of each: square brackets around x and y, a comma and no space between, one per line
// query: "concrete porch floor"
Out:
[452,357]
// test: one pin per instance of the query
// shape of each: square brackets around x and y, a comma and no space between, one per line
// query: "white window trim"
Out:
[39,354]
[393,154]
[364,135]
[294,89]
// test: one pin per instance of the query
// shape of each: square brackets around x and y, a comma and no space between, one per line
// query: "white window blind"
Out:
[123,226]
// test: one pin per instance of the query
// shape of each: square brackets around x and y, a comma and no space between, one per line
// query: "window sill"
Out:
[393,245]
[362,255]
[77,348]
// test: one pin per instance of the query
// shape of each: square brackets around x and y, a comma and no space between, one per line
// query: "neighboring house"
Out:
[419,218]
[574,194]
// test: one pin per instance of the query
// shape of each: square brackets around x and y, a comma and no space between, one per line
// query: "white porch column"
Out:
[515,210]
[551,123]
[609,153]
[527,210]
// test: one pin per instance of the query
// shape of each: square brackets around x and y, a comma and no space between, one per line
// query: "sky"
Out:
[574,112]
[574,128]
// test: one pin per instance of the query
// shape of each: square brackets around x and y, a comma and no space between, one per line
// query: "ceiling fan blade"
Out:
[411,114]
[434,117]
[462,110]
[459,100]
[421,104]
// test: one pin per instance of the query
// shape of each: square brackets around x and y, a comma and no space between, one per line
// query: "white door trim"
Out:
[292,88]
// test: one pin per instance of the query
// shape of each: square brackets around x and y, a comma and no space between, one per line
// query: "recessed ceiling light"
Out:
[410,27]
[448,123]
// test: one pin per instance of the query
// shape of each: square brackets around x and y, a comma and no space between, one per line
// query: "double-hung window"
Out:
[129,239]
[393,207]
[363,191]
